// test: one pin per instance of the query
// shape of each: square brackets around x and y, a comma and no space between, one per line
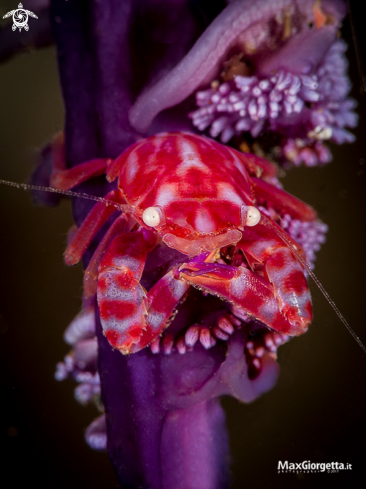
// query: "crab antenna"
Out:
[69,193]
[317,282]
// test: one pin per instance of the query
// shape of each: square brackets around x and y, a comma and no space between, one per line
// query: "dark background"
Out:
[316,411]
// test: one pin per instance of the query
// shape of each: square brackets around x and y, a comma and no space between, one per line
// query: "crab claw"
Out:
[246,290]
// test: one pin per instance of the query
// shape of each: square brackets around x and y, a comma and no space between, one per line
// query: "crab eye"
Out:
[152,216]
[250,216]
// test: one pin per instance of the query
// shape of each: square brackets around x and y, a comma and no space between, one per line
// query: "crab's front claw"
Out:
[246,290]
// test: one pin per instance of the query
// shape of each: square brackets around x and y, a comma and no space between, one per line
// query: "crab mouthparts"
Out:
[202,244]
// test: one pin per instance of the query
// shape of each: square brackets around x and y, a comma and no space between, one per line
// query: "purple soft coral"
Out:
[302,109]
[319,392]
[149,400]
[283,72]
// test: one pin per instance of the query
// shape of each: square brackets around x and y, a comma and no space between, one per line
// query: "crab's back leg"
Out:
[65,178]
[280,199]
[98,215]
[132,318]
[256,165]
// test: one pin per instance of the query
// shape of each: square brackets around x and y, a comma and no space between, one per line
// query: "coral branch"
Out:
[201,63]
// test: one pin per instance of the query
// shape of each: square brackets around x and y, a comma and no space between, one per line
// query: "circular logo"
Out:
[20,19]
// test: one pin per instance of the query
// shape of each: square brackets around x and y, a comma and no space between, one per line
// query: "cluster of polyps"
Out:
[310,108]
[81,365]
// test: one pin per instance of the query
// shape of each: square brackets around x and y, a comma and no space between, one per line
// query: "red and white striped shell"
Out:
[198,197]
[200,188]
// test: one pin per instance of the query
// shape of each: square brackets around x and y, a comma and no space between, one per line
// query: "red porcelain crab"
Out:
[199,198]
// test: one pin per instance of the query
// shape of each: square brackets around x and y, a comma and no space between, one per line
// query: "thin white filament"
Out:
[265,221]
[69,193]
[305,264]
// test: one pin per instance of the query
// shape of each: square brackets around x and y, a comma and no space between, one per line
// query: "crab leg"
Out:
[66,178]
[131,317]
[90,226]
[281,199]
